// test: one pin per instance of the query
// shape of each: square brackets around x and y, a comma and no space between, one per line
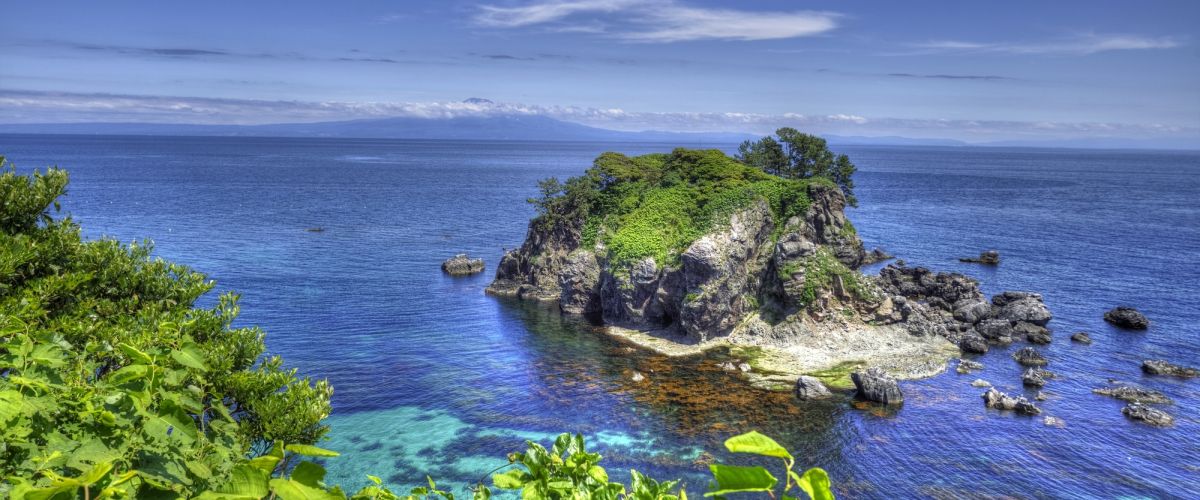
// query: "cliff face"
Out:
[738,269]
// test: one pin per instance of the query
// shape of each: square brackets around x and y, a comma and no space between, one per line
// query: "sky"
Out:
[972,71]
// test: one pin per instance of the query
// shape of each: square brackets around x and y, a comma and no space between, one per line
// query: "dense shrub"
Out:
[656,205]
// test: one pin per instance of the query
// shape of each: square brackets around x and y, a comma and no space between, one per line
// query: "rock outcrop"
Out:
[989,257]
[1036,377]
[1160,367]
[874,384]
[1134,394]
[461,265]
[951,305]
[775,283]
[1127,317]
[1146,414]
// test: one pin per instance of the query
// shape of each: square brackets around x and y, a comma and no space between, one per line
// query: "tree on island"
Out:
[796,155]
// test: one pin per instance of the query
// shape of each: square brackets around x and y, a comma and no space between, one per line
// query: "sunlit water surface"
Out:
[434,377]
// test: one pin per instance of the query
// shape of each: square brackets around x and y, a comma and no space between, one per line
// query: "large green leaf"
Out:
[288,489]
[128,374]
[191,356]
[510,480]
[309,473]
[815,482]
[172,422]
[245,479]
[733,479]
[310,451]
[758,444]
[135,354]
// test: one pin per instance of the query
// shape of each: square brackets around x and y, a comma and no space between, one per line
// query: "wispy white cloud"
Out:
[23,106]
[1085,44]
[657,21]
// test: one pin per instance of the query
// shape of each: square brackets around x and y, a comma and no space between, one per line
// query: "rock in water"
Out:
[1081,337]
[1029,356]
[990,257]
[1054,422]
[967,366]
[980,383]
[461,265]
[637,377]
[1152,416]
[874,384]
[810,388]
[1160,367]
[1127,317]
[1001,401]
[1035,377]
[1134,394]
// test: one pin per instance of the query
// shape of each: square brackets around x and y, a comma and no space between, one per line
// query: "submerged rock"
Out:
[810,388]
[1161,367]
[989,257]
[1029,356]
[461,265]
[1054,422]
[1000,401]
[1081,337]
[874,384]
[1127,317]
[876,255]
[1134,394]
[1152,416]
[967,366]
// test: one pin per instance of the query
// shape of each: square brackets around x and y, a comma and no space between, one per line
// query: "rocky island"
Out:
[695,250]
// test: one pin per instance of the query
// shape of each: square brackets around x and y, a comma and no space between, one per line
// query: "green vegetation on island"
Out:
[655,205]
[114,385]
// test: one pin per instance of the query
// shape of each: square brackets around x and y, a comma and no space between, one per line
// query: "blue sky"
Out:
[965,70]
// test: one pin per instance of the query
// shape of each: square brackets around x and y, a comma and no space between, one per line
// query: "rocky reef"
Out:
[462,265]
[773,267]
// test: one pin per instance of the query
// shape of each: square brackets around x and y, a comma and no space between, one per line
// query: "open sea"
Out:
[434,377]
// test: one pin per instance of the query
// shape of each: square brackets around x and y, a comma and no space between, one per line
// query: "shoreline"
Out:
[829,353]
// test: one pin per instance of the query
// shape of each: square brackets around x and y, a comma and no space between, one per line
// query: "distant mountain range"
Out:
[528,128]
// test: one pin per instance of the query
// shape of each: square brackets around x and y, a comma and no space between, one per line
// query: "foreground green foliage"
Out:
[656,205]
[796,155]
[112,384]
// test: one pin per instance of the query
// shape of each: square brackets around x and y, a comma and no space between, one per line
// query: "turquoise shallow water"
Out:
[432,376]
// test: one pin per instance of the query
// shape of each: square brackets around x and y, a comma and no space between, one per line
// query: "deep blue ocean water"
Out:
[432,376]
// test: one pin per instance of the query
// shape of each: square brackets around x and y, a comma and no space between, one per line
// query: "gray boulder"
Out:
[808,388]
[1081,337]
[1029,356]
[1000,401]
[461,265]
[973,343]
[1160,367]
[1022,306]
[874,384]
[1127,317]
[1146,414]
